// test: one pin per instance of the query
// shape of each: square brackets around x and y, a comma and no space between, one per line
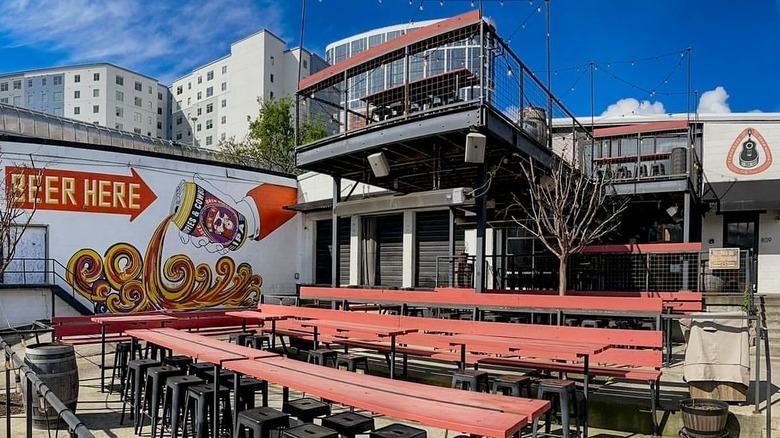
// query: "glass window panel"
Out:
[416,67]
[435,62]
[377,79]
[647,146]
[628,147]
[358,46]
[341,53]
[666,144]
[375,40]
[456,59]
[473,61]
[396,73]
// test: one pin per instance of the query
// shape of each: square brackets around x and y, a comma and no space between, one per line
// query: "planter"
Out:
[704,417]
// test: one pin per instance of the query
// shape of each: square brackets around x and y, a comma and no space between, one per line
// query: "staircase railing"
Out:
[32,271]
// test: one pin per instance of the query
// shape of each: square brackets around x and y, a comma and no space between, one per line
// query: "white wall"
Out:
[20,307]
[94,227]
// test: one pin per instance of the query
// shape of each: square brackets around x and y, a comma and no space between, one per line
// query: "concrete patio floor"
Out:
[619,406]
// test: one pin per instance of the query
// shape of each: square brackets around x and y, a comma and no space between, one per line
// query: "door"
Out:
[29,259]
[323,251]
[390,250]
[740,230]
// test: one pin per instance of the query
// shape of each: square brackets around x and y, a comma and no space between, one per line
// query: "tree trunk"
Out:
[563,261]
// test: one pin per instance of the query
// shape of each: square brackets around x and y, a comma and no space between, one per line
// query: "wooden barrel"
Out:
[55,365]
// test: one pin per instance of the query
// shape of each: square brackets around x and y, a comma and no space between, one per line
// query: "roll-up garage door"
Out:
[390,236]
[323,253]
[432,243]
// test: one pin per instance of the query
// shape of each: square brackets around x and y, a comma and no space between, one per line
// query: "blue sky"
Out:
[734,45]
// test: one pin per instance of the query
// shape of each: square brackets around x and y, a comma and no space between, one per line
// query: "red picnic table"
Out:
[254,315]
[344,328]
[140,321]
[463,411]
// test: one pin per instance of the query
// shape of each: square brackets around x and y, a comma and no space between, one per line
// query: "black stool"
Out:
[199,369]
[472,380]
[321,356]
[349,424]
[150,351]
[155,387]
[136,371]
[121,357]
[182,362]
[351,361]
[258,341]
[398,430]
[565,390]
[175,392]
[240,338]
[511,385]
[247,388]
[306,409]
[309,431]
[200,403]
[224,375]
[261,421]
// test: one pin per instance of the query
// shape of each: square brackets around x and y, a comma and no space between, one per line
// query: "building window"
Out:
[200,79]
[209,91]
[29,99]
[18,85]
[179,90]
[43,82]
[57,96]
[17,100]
[189,85]
[4,86]
[179,120]
[305,64]
[224,103]
[96,92]
[120,112]
[200,95]
[271,95]
[209,140]
[137,130]
[76,110]
[29,83]
[77,78]
[210,75]
[96,76]
[138,101]
[120,96]
[119,126]
[44,97]
[77,94]
[95,109]
[222,136]
[198,127]
[3,100]
[224,119]
[139,86]
[209,124]
[209,108]
[149,89]
[159,96]
[120,80]
[200,111]
[137,117]
[159,125]
[159,110]
[57,80]
[272,78]
[58,112]
[272,60]
[178,135]
[224,86]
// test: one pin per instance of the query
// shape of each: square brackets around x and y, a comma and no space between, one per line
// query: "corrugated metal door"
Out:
[390,236]
[322,259]
[432,243]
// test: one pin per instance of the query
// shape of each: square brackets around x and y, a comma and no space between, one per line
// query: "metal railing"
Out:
[76,427]
[467,65]
[652,272]
[31,271]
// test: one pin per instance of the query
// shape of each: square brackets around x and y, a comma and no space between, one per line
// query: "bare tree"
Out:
[566,209]
[19,198]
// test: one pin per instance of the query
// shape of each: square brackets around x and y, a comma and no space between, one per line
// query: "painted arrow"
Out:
[76,191]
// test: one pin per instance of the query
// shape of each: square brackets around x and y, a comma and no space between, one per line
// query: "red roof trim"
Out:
[421,34]
[644,127]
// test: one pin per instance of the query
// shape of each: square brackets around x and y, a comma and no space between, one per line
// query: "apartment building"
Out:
[103,94]
[216,100]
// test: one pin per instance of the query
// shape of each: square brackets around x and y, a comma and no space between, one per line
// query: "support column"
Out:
[409,256]
[354,250]
[686,217]
[334,252]
[481,207]
[451,252]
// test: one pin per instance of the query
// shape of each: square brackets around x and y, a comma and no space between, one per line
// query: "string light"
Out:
[509,70]
[441,2]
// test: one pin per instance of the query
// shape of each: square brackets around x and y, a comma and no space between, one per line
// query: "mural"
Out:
[126,278]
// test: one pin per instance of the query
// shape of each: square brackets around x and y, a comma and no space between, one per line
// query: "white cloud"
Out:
[631,106]
[152,37]
[714,101]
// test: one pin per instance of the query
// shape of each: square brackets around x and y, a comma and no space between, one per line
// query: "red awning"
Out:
[641,127]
